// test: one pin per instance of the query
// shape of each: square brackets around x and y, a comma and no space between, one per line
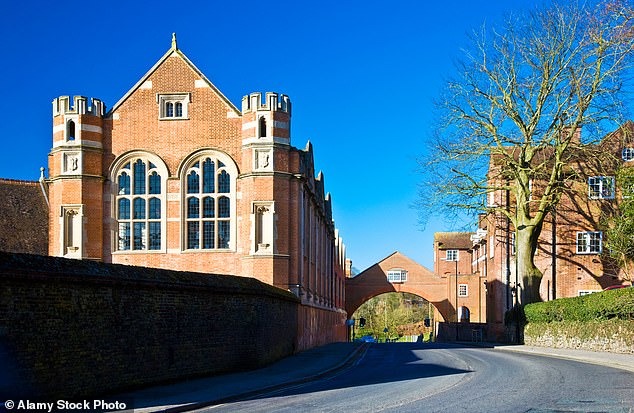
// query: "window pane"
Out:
[208,234]
[208,207]
[124,184]
[223,234]
[139,235]
[124,236]
[155,235]
[139,208]
[193,235]
[139,177]
[155,208]
[223,207]
[155,183]
[208,176]
[223,182]
[581,242]
[192,183]
[179,109]
[124,209]
[193,208]
[169,112]
[607,187]
[595,242]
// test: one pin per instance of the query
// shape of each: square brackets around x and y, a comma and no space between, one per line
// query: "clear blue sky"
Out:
[362,76]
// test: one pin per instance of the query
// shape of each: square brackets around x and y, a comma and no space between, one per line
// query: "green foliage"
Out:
[613,304]
[620,223]
[389,311]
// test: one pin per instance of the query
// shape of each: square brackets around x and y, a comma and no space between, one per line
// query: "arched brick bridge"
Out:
[420,281]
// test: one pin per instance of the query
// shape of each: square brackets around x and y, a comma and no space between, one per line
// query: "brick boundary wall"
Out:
[73,329]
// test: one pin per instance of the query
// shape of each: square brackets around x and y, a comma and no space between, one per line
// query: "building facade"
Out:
[175,176]
[570,252]
[466,284]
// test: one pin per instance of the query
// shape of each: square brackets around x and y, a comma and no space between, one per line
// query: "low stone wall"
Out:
[76,328]
[609,335]
[475,332]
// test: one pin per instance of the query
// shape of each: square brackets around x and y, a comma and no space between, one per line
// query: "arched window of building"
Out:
[139,203]
[209,180]
[70,131]
[262,127]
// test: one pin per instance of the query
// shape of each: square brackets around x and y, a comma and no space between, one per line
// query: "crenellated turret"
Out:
[268,120]
[61,106]
[76,178]
[272,102]
[79,123]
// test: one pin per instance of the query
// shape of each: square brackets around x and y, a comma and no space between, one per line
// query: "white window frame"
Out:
[581,293]
[117,169]
[584,242]
[452,255]
[173,98]
[463,290]
[186,167]
[397,275]
[597,187]
[627,154]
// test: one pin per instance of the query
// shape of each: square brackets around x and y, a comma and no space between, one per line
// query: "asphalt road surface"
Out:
[403,377]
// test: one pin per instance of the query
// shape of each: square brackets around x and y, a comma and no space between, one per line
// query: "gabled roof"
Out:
[396,255]
[23,217]
[453,240]
[174,50]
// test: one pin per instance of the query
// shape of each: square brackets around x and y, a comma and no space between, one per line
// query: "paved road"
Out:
[448,378]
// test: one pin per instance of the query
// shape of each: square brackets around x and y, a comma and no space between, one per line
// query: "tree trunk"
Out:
[528,273]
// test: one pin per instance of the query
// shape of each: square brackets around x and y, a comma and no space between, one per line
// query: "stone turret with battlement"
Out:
[76,178]
[267,121]
[61,106]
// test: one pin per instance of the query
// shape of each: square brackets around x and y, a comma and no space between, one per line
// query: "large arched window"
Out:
[139,204]
[208,183]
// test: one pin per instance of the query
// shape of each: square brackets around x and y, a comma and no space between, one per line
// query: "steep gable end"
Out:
[174,52]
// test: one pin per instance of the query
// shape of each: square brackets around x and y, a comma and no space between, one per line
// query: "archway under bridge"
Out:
[399,273]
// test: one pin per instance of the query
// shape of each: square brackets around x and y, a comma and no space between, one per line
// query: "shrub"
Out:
[613,304]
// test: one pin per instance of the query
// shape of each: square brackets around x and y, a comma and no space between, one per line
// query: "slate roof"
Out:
[23,217]
[453,240]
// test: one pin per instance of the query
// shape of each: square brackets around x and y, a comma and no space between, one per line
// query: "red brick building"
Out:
[570,251]
[465,283]
[175,176]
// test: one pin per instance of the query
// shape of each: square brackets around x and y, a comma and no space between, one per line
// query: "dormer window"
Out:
[173,106]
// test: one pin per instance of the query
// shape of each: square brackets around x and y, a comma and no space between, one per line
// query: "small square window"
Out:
[452,255]
[601,187]
[463,290]
[173,106]
[589,242]
[628,154]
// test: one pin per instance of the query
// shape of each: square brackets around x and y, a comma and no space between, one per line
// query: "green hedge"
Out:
[606,305]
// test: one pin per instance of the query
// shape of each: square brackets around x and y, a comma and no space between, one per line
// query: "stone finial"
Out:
[174,46]
[42,169]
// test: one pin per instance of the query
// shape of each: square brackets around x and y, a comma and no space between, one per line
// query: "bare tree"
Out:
[513,113]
